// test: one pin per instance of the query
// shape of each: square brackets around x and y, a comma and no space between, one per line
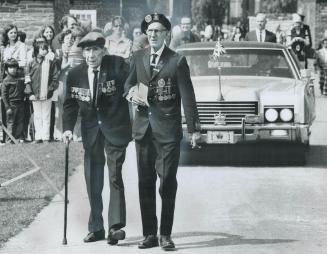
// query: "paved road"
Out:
[255,210]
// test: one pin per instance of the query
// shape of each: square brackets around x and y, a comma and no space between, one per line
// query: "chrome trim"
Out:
[239,127]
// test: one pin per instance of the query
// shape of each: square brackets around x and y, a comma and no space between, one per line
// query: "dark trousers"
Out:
[52,119]
[154,159]
[94,160]
[15,120]
[28,111]
[3,119]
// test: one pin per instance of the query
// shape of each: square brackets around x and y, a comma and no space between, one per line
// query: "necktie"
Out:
[95,88]
[153,63]
[260,36]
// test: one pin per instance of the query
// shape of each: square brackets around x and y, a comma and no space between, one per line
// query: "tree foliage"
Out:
[278,6]
[213,11]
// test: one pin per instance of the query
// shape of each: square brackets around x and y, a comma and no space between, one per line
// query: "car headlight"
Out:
[271,115]
[286,114]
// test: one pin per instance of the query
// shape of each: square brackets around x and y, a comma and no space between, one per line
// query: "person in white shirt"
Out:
[261,34]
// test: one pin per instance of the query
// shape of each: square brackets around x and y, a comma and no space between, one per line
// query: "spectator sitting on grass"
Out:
[13,98]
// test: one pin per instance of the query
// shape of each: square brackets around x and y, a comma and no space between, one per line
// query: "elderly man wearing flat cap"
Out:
[159,80]
[95,88]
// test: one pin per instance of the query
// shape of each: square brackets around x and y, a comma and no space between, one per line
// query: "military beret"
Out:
[92,39]
[155,17]
[11,62]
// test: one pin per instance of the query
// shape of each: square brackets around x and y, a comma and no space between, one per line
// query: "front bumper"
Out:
[244,132]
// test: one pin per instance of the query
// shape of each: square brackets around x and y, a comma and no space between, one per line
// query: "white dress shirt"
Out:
[158,53]
[263,35]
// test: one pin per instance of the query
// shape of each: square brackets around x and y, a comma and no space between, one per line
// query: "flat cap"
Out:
[11,62]
[155,17]
[92,39]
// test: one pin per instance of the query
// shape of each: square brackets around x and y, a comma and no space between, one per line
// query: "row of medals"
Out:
[164,92]
[81,93]
[85,95]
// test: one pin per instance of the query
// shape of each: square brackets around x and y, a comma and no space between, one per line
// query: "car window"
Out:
[239,62]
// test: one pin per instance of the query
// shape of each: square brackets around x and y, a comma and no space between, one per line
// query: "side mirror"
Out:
[305,73]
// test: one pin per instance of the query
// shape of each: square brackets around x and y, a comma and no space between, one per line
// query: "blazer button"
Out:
[150,113]
[99,122]
[97,109]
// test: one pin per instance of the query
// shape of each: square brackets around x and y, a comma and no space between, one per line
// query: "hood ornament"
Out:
[217,52]
[219,119]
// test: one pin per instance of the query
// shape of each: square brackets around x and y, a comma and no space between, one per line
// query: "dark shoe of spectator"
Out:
[149,241]
[115,235]
[166,243]
[94,236]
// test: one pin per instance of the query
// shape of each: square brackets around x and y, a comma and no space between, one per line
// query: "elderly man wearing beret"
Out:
[95,88]
[158,81]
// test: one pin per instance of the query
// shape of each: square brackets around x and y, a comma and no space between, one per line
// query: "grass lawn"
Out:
[21,201]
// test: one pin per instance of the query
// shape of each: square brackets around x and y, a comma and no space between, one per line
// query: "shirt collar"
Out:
[90,70]
[262,31]
[159,52]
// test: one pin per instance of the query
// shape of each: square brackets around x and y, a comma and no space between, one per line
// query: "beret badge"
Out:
[148,18]
[156,17]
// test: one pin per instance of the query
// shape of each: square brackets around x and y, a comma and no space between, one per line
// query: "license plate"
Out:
[220,137]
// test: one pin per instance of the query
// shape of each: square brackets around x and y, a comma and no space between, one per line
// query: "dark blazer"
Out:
[112,114]
[252,36]
[180,39]
[167,86]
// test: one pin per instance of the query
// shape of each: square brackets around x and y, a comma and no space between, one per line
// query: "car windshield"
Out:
[239,62]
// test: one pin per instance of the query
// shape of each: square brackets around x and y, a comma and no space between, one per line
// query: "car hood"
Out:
[243,88]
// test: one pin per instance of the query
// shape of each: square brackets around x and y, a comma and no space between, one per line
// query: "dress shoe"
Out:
[149,241]
[115,235]
[94,236]
[166,243]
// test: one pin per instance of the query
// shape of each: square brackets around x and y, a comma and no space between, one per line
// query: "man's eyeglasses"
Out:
[154,31]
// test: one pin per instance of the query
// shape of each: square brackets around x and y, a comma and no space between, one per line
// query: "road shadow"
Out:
[317,156]
[215,239]
[252,154]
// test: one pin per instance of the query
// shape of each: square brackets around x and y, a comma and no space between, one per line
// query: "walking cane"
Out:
[64,241]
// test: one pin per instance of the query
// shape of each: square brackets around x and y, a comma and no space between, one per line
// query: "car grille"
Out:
[234,111]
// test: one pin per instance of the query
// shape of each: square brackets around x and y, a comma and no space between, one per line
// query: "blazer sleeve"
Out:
[70,107]
[273,37]
[5,93]
[186,91]
[131,78]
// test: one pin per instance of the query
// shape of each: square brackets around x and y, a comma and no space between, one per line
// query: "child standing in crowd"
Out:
[43,73]
[12,91]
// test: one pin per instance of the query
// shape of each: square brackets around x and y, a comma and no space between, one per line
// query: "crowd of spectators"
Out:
[34,113]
